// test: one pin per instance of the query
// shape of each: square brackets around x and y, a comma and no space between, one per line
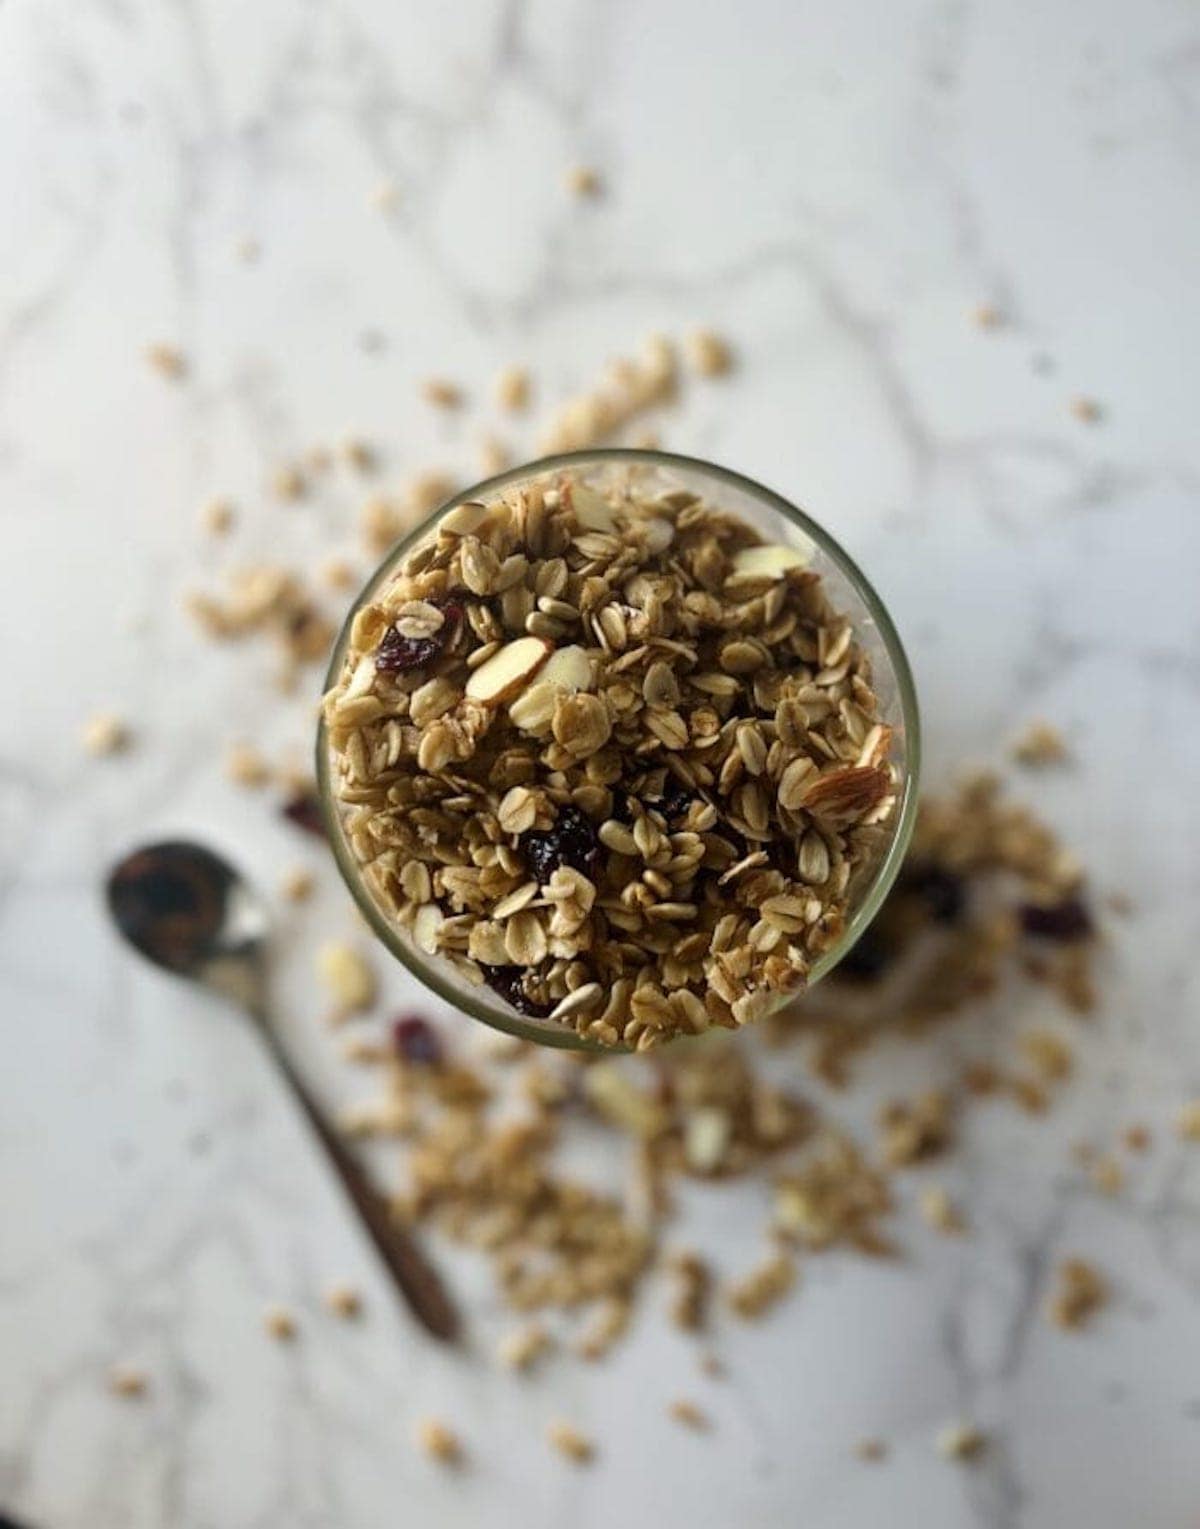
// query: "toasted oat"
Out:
[167,360]
[494,455]
[280,1323]
[338,574]
[1108,1176]
[217,517]
[359,455]
[708,353]
[245,766]
[940,1211]
[521,1349]
[917,1129]
[439,1442]
[344,1301]
[1087,410]
[987,316]
[441,393]
[871,1450]
[1187,1122]
[105,733]
[350,980]
[288,482]
[755,1293]
[1081,1291]
[606,1326]
[692,1292]
[127,1380]
[583,180]
[689,1414]
[271,601]
[385,195]
[961,1441]
[1048,1054]
[511,388]
[1040,744]
[568,1440]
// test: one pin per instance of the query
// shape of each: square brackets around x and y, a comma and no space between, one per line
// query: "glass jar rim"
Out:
[497,1014]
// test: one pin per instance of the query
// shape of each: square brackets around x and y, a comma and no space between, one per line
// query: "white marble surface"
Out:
[836,187]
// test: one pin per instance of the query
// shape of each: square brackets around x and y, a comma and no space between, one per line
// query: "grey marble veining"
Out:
[836,188]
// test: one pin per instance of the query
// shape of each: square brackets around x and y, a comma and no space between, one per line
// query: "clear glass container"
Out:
[777,521]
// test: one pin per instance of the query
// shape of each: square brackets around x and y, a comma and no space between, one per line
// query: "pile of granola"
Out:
[612,755]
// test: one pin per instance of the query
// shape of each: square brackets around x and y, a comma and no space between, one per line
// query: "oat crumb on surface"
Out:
[280,1323]
[1079,1293]
[583,180]
[439,1442]
[348,977]
[511,388]
[441,393]
[708,354]
[1087,410]
[940,1212]
[167,360]
[344,1300]
[105,733]
[521,1348]
[756,1292]
[339,575]
[960,1441]
[288,482]
[1040,744]
[245,766]
[1135,1138]
[1187,1122]
[871,1449]
[681,1410]
[494,456]
[385,195]
[1047,1053]
[298,884]
[1108,1176]
[987,316]
[569,1441]
[217,517]
[359,455]
[127,1380]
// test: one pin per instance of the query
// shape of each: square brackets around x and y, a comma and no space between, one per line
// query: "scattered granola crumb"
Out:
[755,1293]
[583,180]
[987,316]
[1187,1122]
[1108,1176]
[711,1366]
[105,733]
[280,1323]
[494,456]
[940,1212]
[345,972]
[245,766]
[689,1414]
[520,1349]
[344,1301]
[338,574]
[1135,1138]
[1080,1293]
[961,1441]
[871,1449]
[364,1051]
[708,353]
[693,1288]
[917,1129]
[511,388]
[298,884]
[248,250]
[570,1442]
[167,360]
[359,455]
[127,1380]
[385,197]
[217,517]
[439,1442]
[605,1327]
[287,482]
[1087,410]
[318,459]
[1048,1054]
[441,393]
[1040,744]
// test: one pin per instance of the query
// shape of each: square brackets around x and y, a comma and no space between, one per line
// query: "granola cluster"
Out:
[610,754]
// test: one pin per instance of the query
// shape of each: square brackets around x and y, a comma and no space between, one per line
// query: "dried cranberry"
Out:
[415,1040]
[676,799]
[943,892]
[396,653]
[508,982]
[1068,921]
[868,958]
[304,810]
[572,841]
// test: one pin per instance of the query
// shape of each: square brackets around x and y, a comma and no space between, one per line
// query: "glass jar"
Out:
[777,521]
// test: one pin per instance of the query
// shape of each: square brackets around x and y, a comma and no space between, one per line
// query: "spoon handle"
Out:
[414,1275]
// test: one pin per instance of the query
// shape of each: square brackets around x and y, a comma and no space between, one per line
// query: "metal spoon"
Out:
[187,910]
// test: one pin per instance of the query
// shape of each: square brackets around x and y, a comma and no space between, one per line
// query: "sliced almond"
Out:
[769,562]
[464,519]
[509,670]
[591,510]
[568,668]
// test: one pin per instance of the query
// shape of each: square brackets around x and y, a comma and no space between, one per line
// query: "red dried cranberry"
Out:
[572,841]
[415,1040]
[943,892]
[1067,922]
[304,810]
[508,981]
[396,653]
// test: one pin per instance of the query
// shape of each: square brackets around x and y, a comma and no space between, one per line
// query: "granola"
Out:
[613,756]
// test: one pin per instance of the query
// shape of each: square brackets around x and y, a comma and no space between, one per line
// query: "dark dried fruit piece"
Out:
[676,799]
[943,892]
[416,1041]
[508,981]
[396,654]
[1068,921]
[304,810]
[572,841]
